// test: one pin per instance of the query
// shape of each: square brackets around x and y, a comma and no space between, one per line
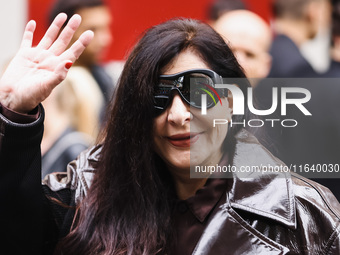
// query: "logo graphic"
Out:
[209,93]
[239,100]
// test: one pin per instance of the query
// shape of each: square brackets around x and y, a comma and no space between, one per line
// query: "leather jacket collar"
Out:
[270,197]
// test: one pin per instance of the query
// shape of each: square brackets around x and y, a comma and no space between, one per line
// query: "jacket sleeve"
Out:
[20,186]
[63,192]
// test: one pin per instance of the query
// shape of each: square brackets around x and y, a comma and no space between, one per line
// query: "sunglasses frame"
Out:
[216,78]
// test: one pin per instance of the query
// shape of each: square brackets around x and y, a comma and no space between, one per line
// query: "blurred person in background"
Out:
[335,53]
[249,37]
[61,141]
[301,49]
[317,50]
[97,17]
[75,110]
[219,7]
[88,71]
[302,42]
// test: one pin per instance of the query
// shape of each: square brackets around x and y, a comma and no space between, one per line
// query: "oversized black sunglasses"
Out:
[190,85]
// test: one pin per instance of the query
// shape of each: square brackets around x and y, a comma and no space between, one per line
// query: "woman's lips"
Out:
[183,140]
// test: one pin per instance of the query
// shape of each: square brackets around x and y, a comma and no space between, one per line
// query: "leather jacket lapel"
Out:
[228,233]
[263,192]
[269,195]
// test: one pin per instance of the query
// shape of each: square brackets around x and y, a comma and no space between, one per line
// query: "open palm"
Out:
[35,71]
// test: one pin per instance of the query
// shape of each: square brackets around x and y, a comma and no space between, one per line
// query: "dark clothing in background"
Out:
[67,147]
[106,85]
[287,61]
[104,81]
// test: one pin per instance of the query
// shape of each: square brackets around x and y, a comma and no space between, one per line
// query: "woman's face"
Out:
[182,135]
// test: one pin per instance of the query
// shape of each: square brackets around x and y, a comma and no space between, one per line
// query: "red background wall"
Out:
[133,17]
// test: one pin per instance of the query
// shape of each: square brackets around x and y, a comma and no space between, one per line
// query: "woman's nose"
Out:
[179,111]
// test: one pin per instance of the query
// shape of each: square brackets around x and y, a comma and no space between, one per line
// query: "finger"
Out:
[53,31]
[62,70]
[78,46]
[66,35]
[28,34]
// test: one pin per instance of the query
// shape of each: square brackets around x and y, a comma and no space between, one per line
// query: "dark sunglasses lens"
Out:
[163,93]
[196,98]
[201,84]
[161,101]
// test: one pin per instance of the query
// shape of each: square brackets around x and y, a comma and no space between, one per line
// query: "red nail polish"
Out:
[68,65]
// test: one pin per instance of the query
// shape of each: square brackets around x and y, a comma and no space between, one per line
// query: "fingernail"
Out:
[68,65]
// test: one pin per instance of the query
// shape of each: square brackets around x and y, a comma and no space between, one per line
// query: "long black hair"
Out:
[128,208]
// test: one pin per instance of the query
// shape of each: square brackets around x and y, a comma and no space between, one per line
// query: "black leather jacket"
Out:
[263,213]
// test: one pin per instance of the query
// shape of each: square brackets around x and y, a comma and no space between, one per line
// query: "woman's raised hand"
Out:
[35,71]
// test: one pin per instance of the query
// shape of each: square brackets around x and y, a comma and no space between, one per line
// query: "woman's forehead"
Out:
[186,60]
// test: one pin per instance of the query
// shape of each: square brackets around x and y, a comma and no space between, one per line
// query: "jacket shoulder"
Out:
[309,212]
[319,211]
[309,191]
[78,176]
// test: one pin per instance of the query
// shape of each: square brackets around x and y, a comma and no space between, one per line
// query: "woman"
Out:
[133,194]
